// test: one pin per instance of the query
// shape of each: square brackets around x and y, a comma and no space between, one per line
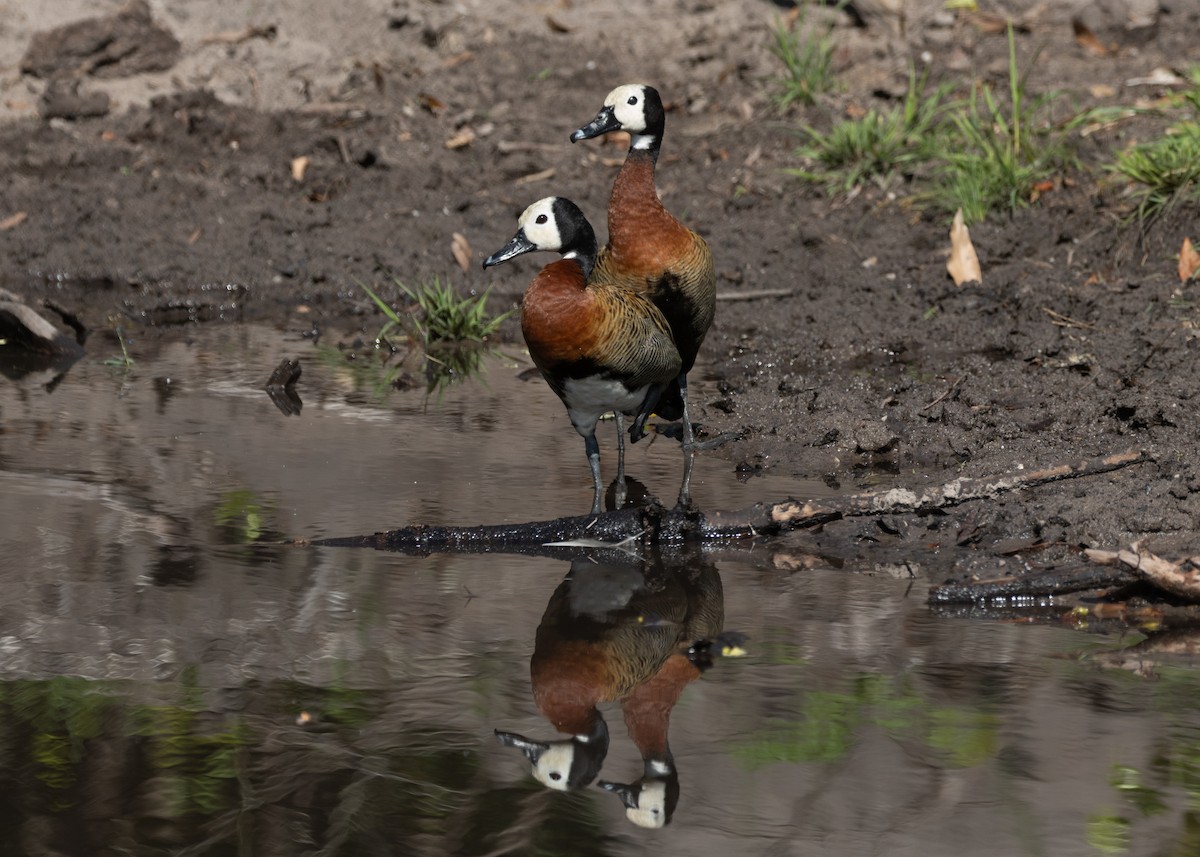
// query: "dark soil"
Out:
[874,369]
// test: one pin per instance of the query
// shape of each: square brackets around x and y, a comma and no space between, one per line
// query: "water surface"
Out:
[175,681]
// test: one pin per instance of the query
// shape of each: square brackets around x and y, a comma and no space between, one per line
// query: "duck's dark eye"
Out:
[541,218]
[632,100]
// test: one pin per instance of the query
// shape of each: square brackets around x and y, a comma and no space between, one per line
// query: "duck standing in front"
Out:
[651,252]
[600,346]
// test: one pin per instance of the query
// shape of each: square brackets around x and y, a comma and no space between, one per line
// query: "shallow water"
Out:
[174,681]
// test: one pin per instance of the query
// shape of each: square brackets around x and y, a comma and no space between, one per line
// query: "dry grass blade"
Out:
[535,177]
[1060,320]
[234,37]
[13,220]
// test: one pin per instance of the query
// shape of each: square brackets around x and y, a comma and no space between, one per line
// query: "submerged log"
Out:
[1036,585]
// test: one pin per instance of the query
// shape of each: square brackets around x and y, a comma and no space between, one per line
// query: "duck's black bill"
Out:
[519,244]
[605,121]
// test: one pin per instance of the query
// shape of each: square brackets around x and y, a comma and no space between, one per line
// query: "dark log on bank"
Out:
[651,523]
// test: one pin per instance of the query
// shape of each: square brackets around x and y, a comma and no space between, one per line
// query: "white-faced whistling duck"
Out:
[651,251]
[620,630]
[650,801]
[600,346]
[606,629]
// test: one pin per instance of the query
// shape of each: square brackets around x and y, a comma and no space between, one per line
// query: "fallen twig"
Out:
[947,393]
[653,524]
[1177,578]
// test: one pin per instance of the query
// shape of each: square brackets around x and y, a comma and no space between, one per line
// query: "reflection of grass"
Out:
[241,512]
[824,732]
[1172,766]
[449,363]
[367,776]
[826,728]
[965,738]
[124,361]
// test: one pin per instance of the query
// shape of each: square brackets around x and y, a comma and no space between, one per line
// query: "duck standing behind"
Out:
[650,251]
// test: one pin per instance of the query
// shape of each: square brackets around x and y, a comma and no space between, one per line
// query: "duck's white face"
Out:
[540,225]
[629,107]
[553,767]
[651,810]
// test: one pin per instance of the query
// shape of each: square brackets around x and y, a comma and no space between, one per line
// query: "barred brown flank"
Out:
[600,346]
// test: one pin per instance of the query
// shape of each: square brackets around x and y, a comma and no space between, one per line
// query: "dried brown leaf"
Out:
[434,105]
[1189,261]
[556,25]
[461,249]
[1088,40]
[963,264]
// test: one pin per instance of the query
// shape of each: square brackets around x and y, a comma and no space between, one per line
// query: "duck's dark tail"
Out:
[667,403]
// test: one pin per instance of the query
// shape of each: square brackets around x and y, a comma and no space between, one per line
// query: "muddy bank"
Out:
[180,207]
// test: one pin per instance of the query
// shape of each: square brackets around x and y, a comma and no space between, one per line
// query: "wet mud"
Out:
[871,368]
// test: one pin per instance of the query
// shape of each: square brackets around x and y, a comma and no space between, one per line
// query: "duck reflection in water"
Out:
[626,628]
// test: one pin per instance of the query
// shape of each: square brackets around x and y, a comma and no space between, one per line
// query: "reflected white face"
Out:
[554,765]
[651,810]
[540,225]
[628,103]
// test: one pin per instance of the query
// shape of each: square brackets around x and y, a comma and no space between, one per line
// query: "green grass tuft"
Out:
[807,57]
[982,153]
[878,145]
[993,154]
[1166,170]
[444,316]
[450,329]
